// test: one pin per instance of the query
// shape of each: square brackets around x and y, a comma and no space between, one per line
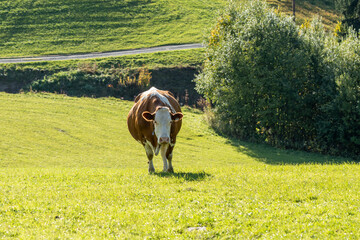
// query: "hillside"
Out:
[69,169]
[69,26]
[30,28]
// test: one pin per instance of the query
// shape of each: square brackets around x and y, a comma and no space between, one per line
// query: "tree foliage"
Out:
[270,80]
[351,11]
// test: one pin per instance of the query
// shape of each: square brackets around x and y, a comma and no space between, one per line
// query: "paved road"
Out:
[101,55]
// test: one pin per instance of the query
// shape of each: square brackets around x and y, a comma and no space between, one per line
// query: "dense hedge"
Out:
[294,87]
[13,78]
[90,79]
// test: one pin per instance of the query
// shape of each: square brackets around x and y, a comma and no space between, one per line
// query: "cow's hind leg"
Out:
[150,155]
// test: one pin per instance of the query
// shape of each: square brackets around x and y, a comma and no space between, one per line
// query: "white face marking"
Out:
[162,124]
[153,92]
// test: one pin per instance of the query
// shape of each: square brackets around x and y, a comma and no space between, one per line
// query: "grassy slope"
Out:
[191,57]
[69,169]
[70,26]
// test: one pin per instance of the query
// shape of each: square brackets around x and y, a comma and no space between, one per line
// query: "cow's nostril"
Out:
[164,140]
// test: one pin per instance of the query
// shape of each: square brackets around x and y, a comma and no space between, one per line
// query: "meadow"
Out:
[178,58]
[71,26]
[70,169]
[43,27]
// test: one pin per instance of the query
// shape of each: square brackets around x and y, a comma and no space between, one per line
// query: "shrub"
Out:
[269,80]
[88,81]
[14,78]
[118,80]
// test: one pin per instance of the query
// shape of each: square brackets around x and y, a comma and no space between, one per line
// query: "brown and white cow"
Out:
[154,121]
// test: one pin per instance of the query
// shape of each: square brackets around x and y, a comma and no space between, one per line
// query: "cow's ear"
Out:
[176,116]
[148,116]
[137,98]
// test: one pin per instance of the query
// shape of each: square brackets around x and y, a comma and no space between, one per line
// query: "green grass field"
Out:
[71,26]
[190,57]
[69,169]
[41,27]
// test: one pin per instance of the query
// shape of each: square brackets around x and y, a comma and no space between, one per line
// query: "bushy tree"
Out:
[259,75]
[270,80]
[339,131]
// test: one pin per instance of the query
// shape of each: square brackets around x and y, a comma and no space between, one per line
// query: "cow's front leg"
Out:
[163,150]
[150,155]
[169,155]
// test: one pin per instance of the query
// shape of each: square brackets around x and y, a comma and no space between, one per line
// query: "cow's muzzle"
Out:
[164,140]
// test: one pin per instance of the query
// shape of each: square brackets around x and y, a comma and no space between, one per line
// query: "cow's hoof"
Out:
[151,170]
[170,170]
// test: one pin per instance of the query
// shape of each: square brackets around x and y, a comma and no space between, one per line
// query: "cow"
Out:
[154,121]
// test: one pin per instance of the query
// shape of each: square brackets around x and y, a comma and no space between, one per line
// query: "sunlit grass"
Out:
[189,57]
[70,169]
[31,28]
[70,26]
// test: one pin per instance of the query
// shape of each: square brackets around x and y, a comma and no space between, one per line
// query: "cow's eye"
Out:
[155,122]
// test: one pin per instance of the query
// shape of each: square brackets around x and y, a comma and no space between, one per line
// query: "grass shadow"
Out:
[275,156]
[187,176]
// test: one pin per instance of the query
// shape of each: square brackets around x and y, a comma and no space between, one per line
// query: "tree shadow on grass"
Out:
[275,156]
[187,176]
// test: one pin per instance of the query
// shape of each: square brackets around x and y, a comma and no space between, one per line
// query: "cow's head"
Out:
[162,119]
